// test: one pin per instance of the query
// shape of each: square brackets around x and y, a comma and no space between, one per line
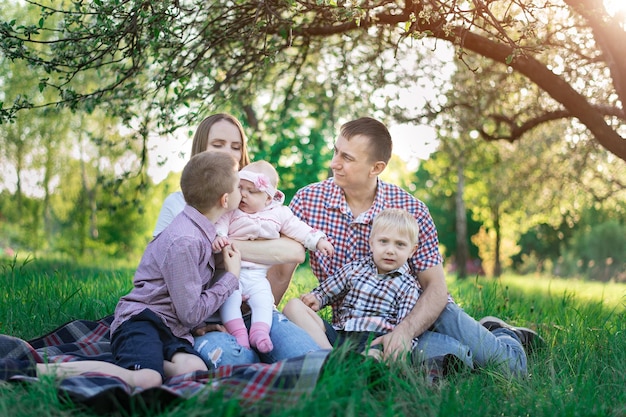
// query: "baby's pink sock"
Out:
[260,337]
[237,328]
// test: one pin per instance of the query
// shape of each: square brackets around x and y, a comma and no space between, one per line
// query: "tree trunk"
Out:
[497,266]
[577,105]
[462,250]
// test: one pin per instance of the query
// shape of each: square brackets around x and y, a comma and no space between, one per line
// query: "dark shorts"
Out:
[359,340]
[145,342]
[331,333]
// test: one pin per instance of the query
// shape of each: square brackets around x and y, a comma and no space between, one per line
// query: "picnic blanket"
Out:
[253,385]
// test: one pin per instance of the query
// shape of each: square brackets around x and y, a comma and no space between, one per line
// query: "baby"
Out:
[261,215]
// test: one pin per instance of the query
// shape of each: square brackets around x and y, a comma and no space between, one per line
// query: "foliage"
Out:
[601,250]
[154,60]
[592,246]
[536,188]
[543,241]
[436,187]
[292,72]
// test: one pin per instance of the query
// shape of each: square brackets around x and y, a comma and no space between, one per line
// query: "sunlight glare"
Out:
[616,8]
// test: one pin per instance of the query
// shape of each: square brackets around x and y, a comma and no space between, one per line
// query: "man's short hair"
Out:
[397,219]
[207,177]
[378,134]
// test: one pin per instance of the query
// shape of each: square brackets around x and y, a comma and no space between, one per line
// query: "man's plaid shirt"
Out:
[323,206]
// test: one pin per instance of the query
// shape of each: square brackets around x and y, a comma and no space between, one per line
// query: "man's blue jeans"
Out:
[455,332]
[219,348]
[501,347]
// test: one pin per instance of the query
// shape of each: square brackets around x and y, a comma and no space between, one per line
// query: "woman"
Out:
[223,133]
[219,132]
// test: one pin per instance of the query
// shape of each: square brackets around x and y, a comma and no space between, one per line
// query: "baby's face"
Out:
[252,199]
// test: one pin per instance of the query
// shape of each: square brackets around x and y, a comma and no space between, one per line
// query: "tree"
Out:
[174,54]
[436,184]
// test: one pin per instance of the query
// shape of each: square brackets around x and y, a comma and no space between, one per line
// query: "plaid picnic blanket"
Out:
[252,385]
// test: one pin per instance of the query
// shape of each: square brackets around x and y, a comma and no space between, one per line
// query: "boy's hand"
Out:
[232,260]
[220,243]
[310,301]
[324,246]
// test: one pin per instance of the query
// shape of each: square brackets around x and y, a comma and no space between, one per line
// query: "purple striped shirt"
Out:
[174,278]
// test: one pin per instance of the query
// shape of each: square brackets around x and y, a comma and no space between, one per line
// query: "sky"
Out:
[615,7]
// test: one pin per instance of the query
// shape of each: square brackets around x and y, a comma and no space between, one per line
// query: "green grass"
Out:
[42,295]
[582,373]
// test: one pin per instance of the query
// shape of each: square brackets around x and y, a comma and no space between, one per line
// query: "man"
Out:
[343,207]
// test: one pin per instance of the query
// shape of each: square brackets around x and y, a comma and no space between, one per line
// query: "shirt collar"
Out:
[205,225]
[403,270]
[337,201]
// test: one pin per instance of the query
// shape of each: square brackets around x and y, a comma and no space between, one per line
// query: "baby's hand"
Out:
[232,260]
[220,243]
[324,246]
[310,301]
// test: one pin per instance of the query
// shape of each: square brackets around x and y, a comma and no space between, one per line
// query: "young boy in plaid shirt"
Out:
[378,291]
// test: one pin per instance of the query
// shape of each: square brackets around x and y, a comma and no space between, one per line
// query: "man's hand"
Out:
[396,344]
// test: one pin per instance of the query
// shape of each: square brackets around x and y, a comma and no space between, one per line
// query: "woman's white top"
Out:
[172,206]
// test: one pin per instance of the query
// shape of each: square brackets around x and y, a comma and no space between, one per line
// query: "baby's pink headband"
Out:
[262,183]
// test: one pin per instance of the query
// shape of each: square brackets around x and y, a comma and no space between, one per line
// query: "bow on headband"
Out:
[262,183]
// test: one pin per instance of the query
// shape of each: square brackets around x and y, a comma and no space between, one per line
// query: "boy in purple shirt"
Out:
[151,334]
